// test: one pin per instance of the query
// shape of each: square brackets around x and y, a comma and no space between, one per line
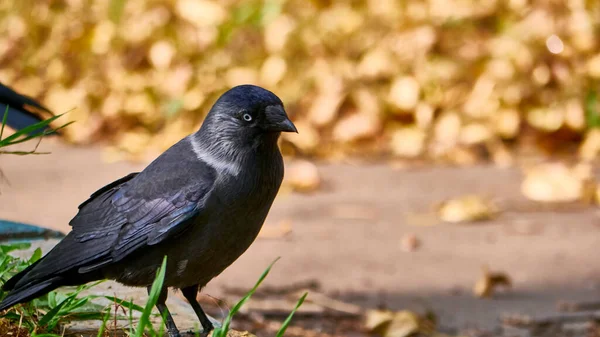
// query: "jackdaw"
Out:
[201,203]
[19,114]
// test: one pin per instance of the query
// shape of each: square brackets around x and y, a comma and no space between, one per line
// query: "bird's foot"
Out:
[173,333]
[201,333]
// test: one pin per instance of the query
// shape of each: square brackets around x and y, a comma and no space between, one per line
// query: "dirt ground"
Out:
[347,236]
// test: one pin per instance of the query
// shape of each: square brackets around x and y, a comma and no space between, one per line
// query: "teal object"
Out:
[15,231]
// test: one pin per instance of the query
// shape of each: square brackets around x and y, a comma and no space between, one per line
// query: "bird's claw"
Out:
[201,333]
[173,333]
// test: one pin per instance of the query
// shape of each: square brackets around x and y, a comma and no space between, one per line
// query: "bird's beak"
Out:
[278,121]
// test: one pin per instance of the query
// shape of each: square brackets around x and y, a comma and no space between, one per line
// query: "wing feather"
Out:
[132,213]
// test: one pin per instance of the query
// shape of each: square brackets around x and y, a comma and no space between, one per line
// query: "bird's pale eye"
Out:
[247,117]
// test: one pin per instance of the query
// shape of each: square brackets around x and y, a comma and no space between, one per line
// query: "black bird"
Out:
[19,116]
[201,203]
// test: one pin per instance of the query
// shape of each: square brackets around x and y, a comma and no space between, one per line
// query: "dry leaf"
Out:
[468,208]
[161,54]
[277,32]
[302,176]
[201,12]
[555,182]
[273,70]
[398,324]
[446,132]
[355,127]
[547,119]
[119,76]
[590,147]
[325,108]
[404,93]
[408,142]
[489,281]
[506,123]
[593,66]
[306,140]
[474,133]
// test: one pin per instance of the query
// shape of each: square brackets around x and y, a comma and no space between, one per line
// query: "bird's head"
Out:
[247,114]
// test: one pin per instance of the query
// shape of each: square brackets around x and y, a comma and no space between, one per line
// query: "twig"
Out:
[579,306]
[282,314]
[265,291]
[333,304]
[531,322]
[23,153]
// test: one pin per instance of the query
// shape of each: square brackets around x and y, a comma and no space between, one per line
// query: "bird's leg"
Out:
[190,294]
[164,312]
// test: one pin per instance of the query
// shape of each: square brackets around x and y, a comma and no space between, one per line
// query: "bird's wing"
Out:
[19,101]
[133,212]
[19,116]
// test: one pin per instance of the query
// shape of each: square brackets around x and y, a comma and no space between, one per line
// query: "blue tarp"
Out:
[13,231]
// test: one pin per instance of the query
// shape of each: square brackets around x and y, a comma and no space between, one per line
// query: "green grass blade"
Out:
[287,321]
[37,135]
[222,332]
[15,246]
[4,118]
[37,254]
[50,315]
[103,325]
[131,318]
[26,130]
[591,109]
[155,291]
[52,299]
[124,303]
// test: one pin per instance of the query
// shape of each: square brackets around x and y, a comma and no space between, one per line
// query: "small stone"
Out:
[409,243]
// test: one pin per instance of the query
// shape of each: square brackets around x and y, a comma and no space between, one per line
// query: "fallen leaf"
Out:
[377,320]
[590,147]
[468,208]
[408,142]
[506,123]
[593,66]
[556,182]
[404,93]
[355,127]
[307,140]
[489,281]
[324,109]
[303,176]
[398,324]
[273,70]
[161,54]
[404,324]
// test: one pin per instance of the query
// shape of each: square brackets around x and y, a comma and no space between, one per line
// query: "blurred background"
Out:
[446,148]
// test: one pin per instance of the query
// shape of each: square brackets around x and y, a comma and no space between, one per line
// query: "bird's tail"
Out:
[12,282]
[19,114]
[30,291]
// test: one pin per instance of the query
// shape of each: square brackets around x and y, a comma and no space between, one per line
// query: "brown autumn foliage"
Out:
[449,80]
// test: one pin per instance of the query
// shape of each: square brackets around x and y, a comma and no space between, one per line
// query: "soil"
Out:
[347,238]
